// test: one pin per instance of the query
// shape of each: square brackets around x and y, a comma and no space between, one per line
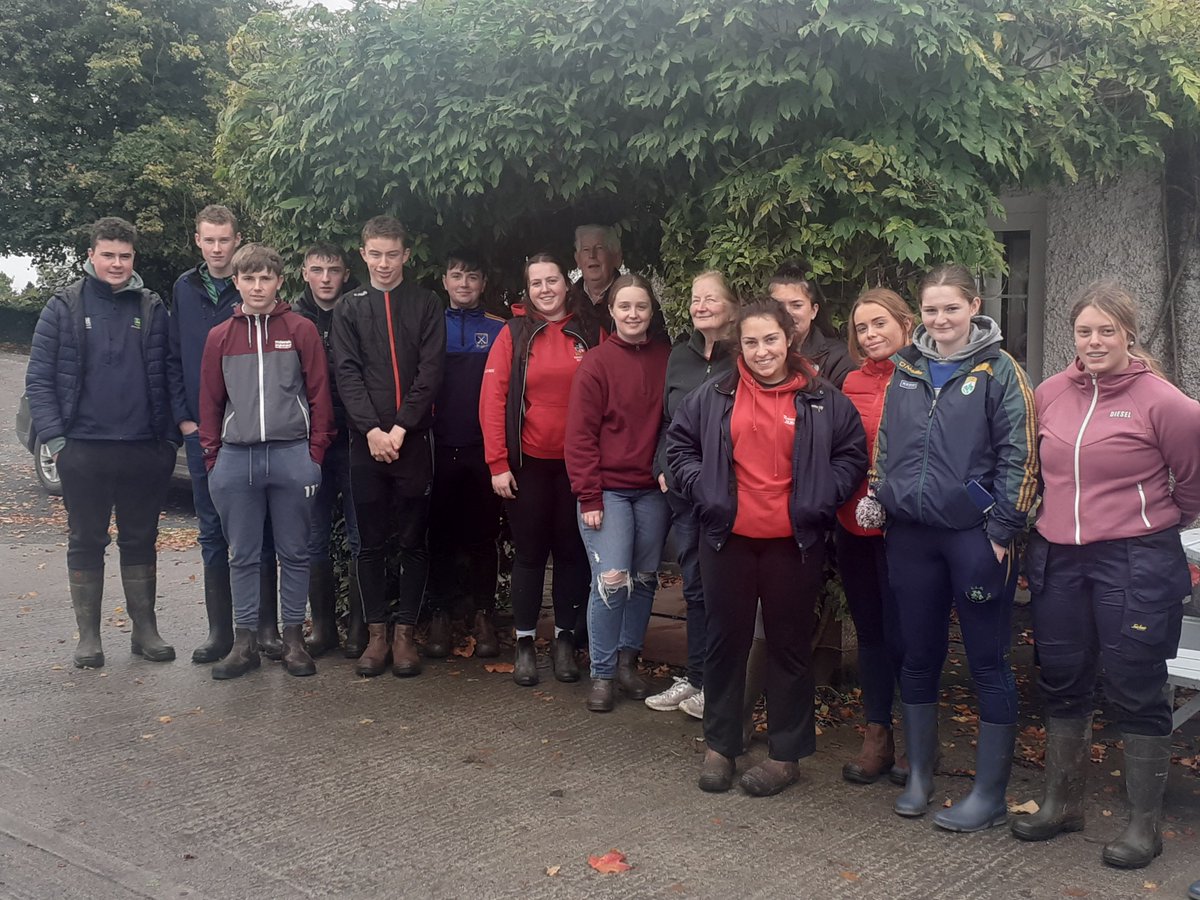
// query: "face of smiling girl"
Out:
[764,349]
[946,315]
[631,310]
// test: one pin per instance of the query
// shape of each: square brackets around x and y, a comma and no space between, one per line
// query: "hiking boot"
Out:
[374,658]
[878,755]
[242,657]
[600,697]
[406,659]
[296,658]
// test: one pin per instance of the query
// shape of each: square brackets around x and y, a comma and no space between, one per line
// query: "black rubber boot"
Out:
[487,644]
[268,613]
[565,667]
[356,624]
[322,601]
[437,646]
[140,584]
[218,604]
[525,671]
[921,741]
[1147,761]
[1068,751]
[628,679]
[87,595]
[242,658]
[296,658]
[986,805]
[600,697]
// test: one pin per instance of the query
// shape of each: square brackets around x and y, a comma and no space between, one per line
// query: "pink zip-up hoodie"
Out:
[1107,446]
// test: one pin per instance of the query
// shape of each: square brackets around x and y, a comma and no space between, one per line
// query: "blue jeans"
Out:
[247,482]
[624,553]
[687,548]
[335,480]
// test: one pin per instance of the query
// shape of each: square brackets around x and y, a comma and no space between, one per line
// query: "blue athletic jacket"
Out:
[981,426]
[193,316]
[470,334]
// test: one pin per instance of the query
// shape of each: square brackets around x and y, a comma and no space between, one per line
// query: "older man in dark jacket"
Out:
[97,390]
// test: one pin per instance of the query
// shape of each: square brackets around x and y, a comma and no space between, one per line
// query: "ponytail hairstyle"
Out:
[1118,304]
[765,307]
[952,275]
[895,306]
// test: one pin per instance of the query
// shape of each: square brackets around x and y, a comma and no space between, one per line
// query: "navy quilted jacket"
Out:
[56,364]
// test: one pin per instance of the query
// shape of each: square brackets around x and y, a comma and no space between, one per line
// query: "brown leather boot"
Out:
[374,659]
[770,777]
[406,660]
[296,658]
[876,758]
[716,772]
[487,644]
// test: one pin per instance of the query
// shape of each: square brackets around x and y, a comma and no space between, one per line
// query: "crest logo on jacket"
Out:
[969,386]
[482,339]
[580,349]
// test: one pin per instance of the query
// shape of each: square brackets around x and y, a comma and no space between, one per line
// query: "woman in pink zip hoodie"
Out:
[1106,567]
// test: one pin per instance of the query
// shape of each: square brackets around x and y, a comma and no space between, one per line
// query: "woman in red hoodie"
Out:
[612,432]
[1106,568]
[523,412]
[766,454]
[881,323]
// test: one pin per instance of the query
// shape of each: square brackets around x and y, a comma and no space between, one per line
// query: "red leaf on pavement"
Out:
[610,863]
[499,667]
[467,649]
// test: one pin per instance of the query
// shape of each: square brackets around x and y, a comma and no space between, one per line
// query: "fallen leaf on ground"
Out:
[499,668]
[467,649]
[552,870]
[610,863]
[1029,807]
[366,721]
[1150,885]
[164,720]
[850,876]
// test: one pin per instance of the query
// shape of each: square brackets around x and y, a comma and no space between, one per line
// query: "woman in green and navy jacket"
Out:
[956,471]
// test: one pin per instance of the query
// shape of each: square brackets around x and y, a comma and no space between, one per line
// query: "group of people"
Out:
[917,450]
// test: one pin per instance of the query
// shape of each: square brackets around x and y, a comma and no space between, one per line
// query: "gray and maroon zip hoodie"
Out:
[264,378]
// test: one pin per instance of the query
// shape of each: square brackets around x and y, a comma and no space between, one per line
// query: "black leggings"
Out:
[544,524]
[786,580]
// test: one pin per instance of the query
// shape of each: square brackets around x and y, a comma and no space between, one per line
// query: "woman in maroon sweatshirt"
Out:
[1120,457]
[522,412]
[612,432]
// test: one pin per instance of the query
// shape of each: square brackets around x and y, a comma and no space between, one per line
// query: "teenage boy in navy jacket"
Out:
[464,519]
[266,420]
[97,391]
[204,297]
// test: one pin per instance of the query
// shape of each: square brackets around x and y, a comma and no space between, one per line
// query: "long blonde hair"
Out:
[1118,304]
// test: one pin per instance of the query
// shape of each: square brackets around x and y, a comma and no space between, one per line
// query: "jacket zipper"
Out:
[1142,497]
[524,380]
[1078,446]
[262,393]
[925,456]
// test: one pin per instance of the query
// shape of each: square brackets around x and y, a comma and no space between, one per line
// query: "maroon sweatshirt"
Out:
[264,378]
[613,418]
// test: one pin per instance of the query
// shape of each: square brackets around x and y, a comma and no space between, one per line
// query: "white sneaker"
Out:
[672,696]
[694,705]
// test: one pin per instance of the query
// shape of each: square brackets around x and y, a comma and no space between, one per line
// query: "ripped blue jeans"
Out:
[624,553]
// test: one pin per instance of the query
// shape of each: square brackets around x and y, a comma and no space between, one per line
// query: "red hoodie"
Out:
[866,388]
[554,356]
[1106,445]
[613,419]
[763,429]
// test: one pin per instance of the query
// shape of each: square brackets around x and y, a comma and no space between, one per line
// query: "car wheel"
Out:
[46,468]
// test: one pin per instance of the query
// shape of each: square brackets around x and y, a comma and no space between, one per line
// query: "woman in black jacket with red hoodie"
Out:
[766,454]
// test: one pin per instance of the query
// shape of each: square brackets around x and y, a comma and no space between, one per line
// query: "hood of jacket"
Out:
[134,283]
[984,333]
